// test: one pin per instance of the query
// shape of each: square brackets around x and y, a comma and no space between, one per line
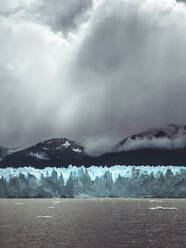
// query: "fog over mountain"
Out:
[90,70]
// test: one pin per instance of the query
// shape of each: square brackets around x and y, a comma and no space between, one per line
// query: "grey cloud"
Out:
[178,142]
[66,15]
[132,73]
[123,72]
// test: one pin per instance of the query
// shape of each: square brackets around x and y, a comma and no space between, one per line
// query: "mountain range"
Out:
[157,146]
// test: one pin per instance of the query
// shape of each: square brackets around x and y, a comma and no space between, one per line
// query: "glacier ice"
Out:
[116,181]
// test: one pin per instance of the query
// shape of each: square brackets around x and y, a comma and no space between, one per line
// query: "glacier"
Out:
[116,181]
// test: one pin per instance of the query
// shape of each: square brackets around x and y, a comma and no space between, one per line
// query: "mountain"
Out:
[52,152]
[158,146]
[169,137]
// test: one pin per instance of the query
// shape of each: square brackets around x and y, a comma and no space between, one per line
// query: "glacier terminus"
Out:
[74,182]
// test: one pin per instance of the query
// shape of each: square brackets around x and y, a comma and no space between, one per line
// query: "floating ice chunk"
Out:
[56,202]
[45,216]
[19,203]
[51,207]
[157,201]
[163,208]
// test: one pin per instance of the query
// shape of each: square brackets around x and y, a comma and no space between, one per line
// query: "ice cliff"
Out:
[116,181]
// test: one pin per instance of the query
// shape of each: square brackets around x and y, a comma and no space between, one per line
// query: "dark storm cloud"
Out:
[136,75]
[66,15]
[120,69]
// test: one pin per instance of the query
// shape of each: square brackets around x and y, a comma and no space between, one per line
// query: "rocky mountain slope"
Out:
[159,146]
[52,152]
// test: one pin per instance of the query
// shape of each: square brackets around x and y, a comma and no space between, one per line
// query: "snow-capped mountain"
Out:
[46,153]
[58,144]
[169,137]
[158,146]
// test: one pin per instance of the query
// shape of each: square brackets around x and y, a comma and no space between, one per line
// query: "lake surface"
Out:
[95,223]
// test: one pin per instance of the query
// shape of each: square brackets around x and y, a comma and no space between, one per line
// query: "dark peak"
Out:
[160,134]
[60,144]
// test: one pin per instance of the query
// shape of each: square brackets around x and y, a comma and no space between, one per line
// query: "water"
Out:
[92,223]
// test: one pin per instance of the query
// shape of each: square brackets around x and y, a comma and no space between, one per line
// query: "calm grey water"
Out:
[49,223]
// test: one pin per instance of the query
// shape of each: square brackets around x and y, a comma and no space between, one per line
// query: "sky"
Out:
[94,71]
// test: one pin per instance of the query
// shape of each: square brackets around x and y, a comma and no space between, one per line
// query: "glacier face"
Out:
[116,181]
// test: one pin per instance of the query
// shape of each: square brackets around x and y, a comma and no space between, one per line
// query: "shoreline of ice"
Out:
[115,181]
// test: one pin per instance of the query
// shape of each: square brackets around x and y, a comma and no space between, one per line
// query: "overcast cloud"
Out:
[94,71]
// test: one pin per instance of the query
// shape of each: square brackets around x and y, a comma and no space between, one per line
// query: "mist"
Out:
[92,71]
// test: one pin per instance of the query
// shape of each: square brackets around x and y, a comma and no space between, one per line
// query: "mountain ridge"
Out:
[156,146]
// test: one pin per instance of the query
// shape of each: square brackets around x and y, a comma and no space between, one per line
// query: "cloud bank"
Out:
[90,70]
[160,143]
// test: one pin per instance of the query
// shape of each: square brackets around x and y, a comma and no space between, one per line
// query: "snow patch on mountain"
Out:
[66,144]
[76,150]
[58,144]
